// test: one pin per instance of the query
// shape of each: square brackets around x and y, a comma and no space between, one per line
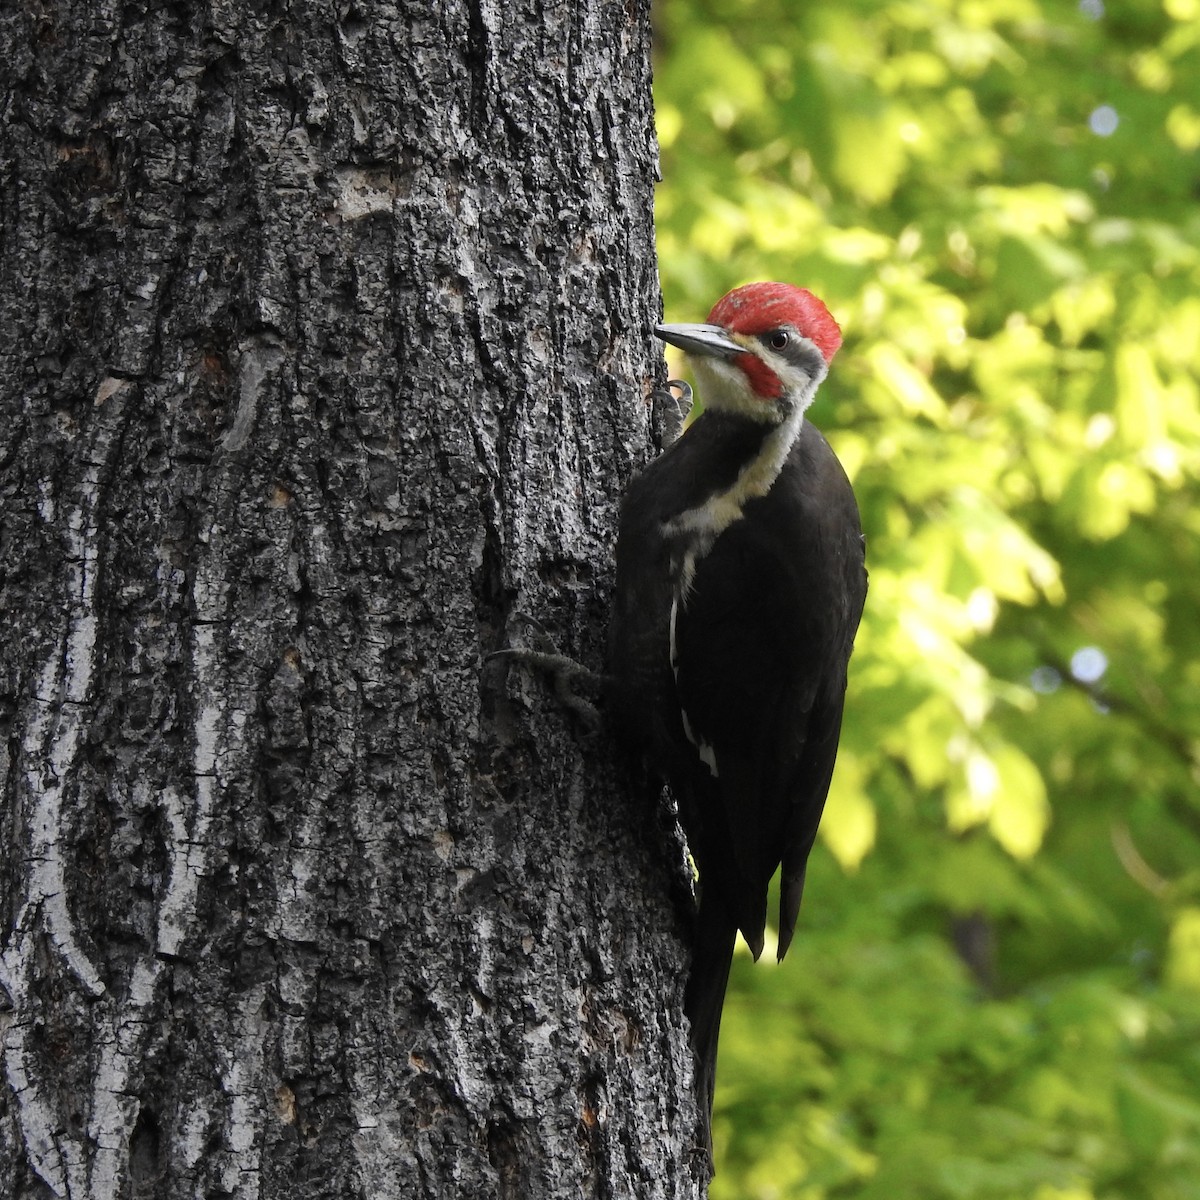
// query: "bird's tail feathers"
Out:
[712,954]
[791,888]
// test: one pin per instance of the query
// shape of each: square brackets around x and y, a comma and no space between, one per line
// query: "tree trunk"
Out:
[325,335]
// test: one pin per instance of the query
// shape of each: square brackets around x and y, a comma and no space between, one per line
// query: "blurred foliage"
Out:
[996,993]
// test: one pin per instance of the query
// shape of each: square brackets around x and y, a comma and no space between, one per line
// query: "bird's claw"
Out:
[565,672]
[669,412]
[544,642]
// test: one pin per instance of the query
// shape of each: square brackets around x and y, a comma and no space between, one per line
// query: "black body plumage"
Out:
[733,685]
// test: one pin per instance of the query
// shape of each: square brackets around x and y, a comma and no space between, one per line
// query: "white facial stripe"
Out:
[725,387]
[707,521]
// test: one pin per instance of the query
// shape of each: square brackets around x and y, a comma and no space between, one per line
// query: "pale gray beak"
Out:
[700,339]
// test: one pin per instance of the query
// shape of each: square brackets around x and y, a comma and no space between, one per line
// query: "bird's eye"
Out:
[779,339]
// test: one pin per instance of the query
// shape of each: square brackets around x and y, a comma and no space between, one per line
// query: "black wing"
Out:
[762,642]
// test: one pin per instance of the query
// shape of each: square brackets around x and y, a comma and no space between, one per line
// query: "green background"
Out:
[995,992]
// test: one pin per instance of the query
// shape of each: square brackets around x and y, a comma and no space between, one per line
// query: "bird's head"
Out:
[762,354]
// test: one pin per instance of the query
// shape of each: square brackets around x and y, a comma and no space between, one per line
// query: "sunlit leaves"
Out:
[849,825]
[997,199]
[1183,961]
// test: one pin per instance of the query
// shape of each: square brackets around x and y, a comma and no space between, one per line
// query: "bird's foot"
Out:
[669,412]
[565,672]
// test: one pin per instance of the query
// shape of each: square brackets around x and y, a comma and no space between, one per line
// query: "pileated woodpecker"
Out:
[740,584]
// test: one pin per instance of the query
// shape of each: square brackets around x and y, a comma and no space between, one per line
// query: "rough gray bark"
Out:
[326,342]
